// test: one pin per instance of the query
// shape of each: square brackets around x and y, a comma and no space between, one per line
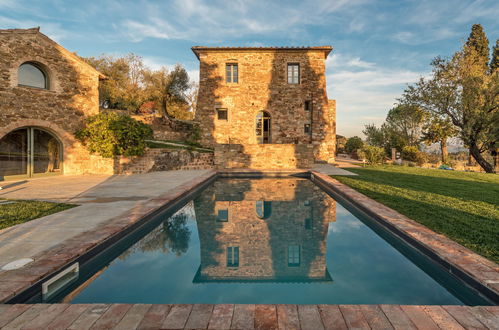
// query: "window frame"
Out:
[40,68]
[232,256]
[294,255]
[225,217]
[307,105]
[298,72]
[219,110]
[307,129]
[231,75]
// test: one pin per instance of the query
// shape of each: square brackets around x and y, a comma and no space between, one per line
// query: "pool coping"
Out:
[475,270]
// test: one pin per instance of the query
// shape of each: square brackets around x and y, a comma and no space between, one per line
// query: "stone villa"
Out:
[257,107]
[266,107]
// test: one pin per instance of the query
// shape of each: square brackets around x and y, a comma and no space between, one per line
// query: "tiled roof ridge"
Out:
[263,47]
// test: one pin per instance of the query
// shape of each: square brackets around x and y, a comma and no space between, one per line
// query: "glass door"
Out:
[29,152]
[263,127]
[14,152]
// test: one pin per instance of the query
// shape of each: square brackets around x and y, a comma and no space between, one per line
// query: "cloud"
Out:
[195,19]
[52,30]
[364,91]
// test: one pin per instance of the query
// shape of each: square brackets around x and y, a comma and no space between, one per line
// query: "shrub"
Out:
[373,155]
[353,144]
[110,134]
[412,154]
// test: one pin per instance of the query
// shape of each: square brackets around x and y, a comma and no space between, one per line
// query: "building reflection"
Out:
[263,230]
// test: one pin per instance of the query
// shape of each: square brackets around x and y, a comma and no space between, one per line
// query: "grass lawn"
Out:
[463,206]
[24,211]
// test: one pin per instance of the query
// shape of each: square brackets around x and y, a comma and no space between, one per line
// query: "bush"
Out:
[110,134]
[412,154]
[353,144]
[373,155]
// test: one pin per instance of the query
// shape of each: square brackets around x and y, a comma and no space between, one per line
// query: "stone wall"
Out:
[72,94]
[263,86]
[264,156]
[163,160]
[168,129]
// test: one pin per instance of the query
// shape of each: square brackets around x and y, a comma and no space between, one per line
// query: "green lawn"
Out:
[463,206]
[24,211]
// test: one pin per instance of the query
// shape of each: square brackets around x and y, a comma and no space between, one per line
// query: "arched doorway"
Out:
[263,127]
[28,152]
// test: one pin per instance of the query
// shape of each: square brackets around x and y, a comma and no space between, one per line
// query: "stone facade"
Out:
[264,156]
[264,218]
[72,94]
[263,86]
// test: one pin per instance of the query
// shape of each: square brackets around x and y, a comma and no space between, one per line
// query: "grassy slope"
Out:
[463,206]
[24,211]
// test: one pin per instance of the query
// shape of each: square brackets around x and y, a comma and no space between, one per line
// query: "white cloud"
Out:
[364,91]
[195,19]
[52,30]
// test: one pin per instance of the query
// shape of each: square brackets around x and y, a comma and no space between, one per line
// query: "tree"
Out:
[168,89]
[438,130]
[463,89]
[340,143]
[406,122]
[353,144]
[494,62]
[123,87]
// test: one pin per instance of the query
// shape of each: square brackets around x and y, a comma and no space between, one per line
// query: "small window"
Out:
[307,105]
[293,73]
[223,215]
[231,73]
[308,223]
[222,114]
[293,255]
[307,129]
[233,256]
[263,209]
[31,74]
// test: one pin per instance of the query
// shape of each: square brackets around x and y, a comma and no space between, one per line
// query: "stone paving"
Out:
[100,198]
[229,316]
[331,170]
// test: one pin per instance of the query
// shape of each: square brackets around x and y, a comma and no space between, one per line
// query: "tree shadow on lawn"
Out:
[478,233]
[487,192]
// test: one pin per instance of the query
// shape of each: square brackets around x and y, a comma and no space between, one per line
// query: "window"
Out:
[293,73]
[233,256]
[263,209]
[222,114]
[231,73]
[293,255]
[31,74]
[262,128]
[307,129]
[307,105]
[223,215]
[308,223]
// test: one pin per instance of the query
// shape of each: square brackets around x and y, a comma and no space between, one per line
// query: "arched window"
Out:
[263,209]
[263,127]
[32,75]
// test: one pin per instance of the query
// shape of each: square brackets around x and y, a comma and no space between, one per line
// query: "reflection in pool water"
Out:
[267,241]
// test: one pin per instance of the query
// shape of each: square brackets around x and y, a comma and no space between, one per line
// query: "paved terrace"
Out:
[101,198]
[313,317]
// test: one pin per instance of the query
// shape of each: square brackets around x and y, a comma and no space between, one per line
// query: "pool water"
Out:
[272,241]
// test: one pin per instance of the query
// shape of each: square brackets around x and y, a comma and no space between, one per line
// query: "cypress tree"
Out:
[494,63]
[478,42]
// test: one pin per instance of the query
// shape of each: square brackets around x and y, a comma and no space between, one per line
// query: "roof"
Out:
[36,30]
[325,49]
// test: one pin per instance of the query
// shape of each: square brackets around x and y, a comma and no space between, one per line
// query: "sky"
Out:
[378,46]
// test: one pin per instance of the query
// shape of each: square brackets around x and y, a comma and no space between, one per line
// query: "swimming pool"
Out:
[268,240]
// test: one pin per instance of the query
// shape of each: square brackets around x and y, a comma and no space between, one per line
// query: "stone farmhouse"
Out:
[266,107]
